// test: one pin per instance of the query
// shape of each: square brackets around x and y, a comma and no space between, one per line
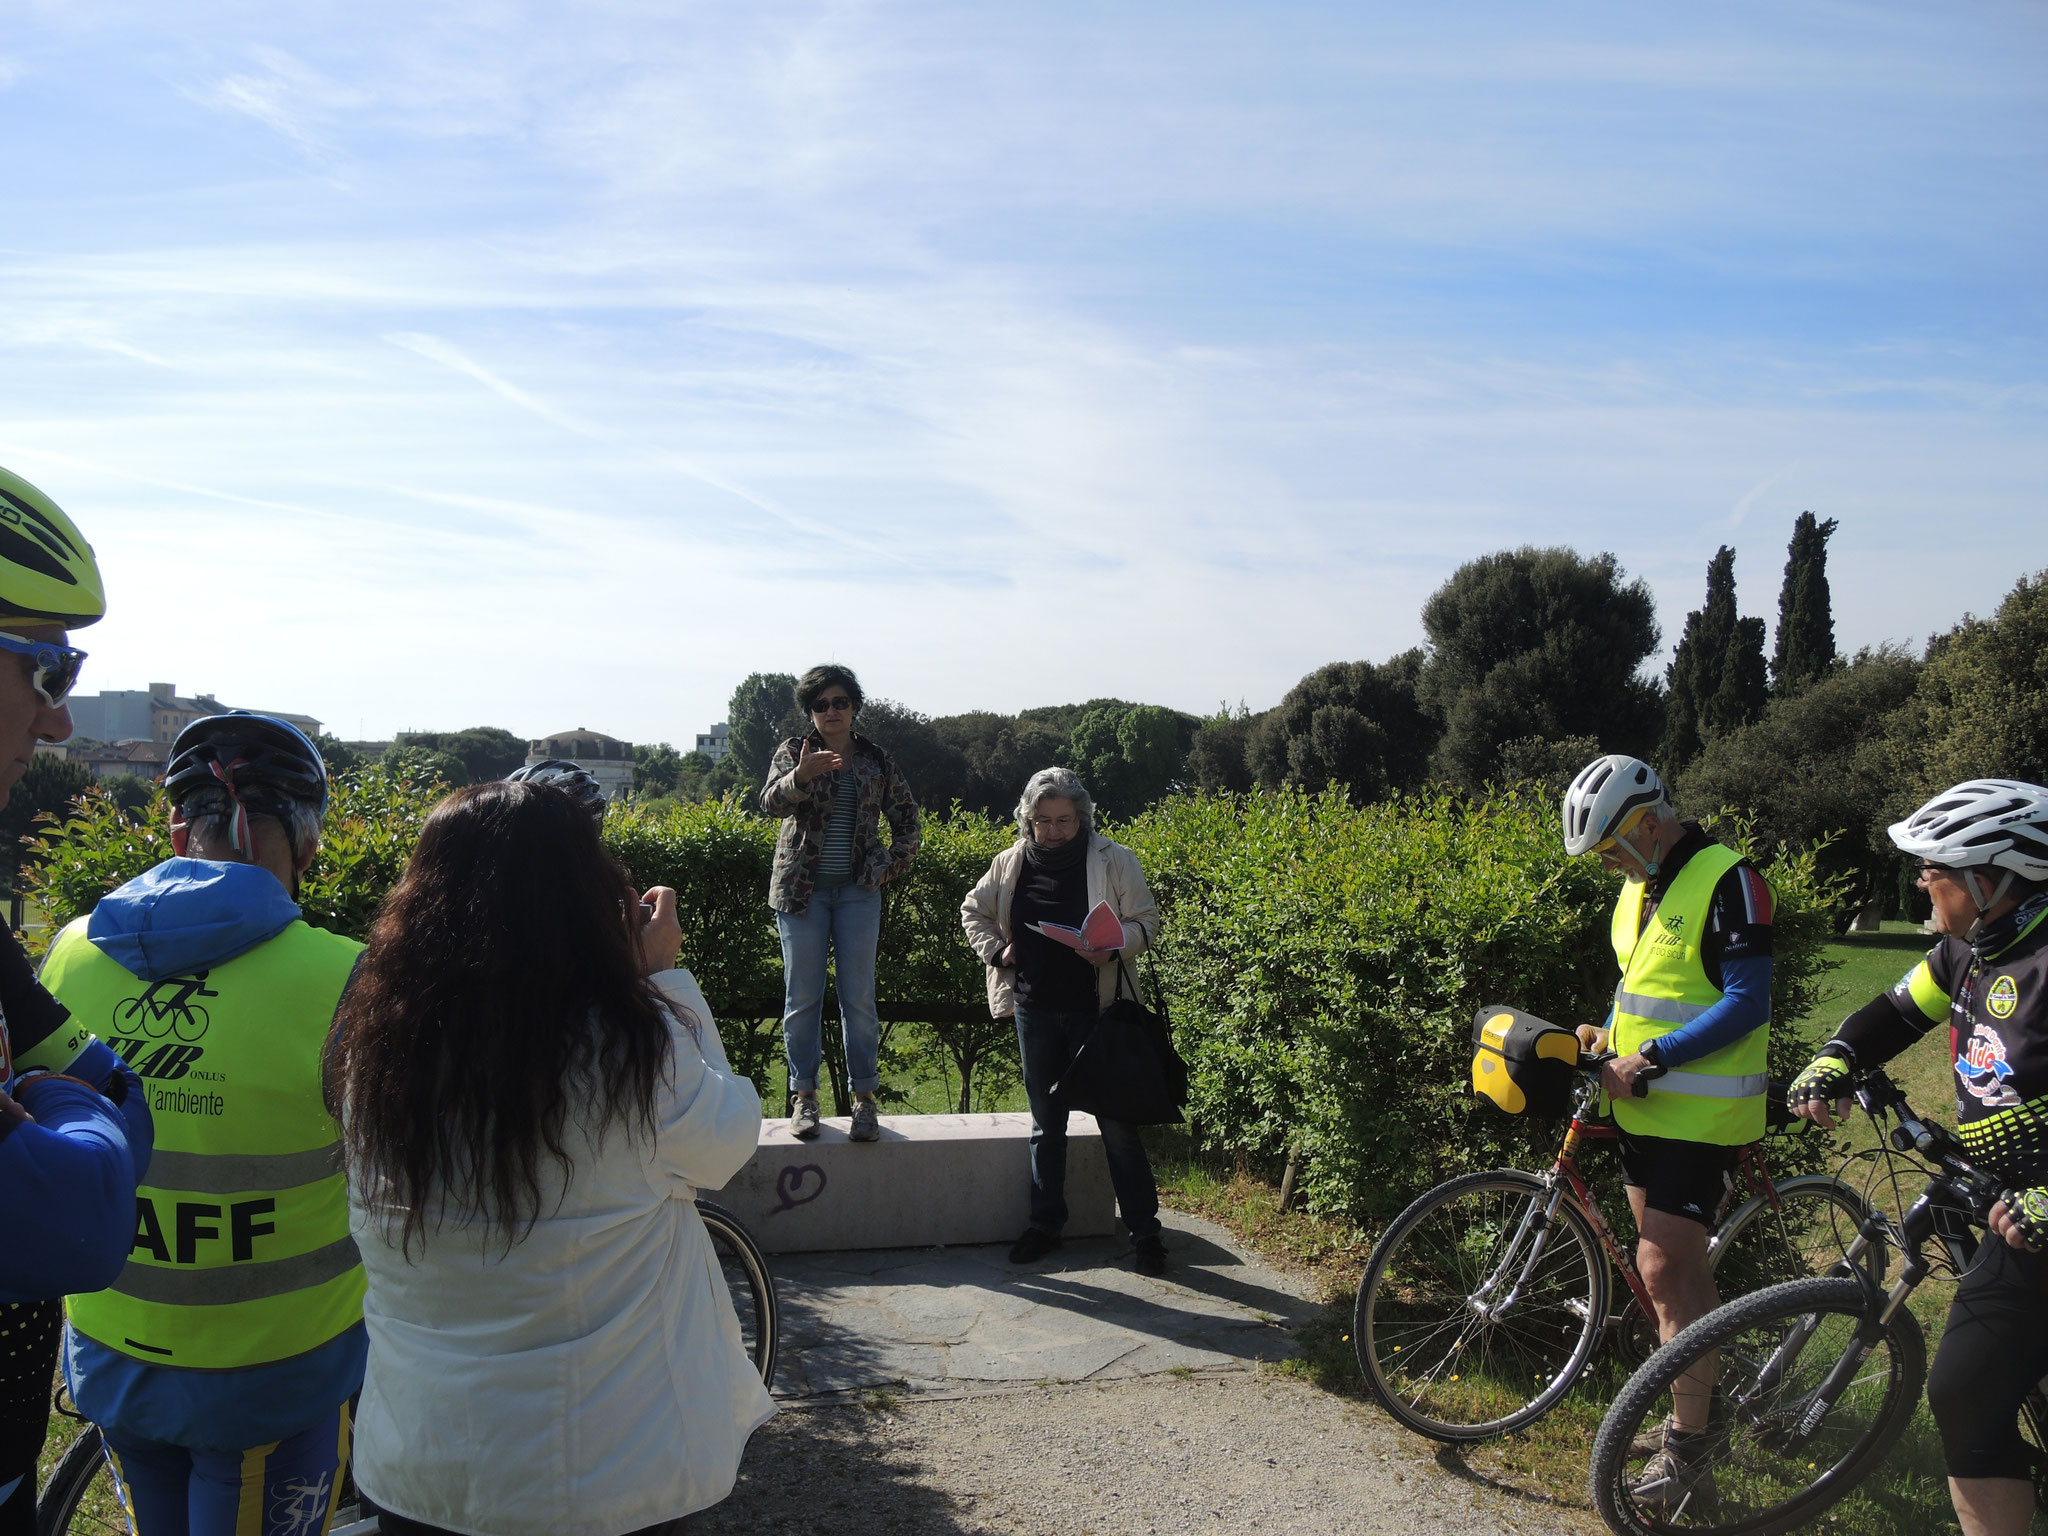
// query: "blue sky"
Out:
[545,366]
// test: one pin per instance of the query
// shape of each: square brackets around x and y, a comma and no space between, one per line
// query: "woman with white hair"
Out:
[1059,868]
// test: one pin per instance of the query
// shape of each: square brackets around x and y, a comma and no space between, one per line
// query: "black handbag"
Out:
[1127,1069]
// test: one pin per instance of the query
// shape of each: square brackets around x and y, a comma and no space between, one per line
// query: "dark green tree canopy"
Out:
[485,751]
[1982,707]
[1537,642]
[1805,651]
[1355,723]
[762,713]
[1815,765]
[656,769]
[50,784]
[935,770]
[998,753]
[1743,689]
[1128,755]
[1218,758]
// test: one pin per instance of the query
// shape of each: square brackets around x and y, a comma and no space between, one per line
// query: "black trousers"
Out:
[1994,1351]
[29,1333]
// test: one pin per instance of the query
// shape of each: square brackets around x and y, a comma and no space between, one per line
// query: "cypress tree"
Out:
[1693,679]
[1740,697]
[1806,622]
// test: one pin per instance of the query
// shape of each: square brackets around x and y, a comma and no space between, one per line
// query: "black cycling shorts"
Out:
[1993,1351]
[1680,1178]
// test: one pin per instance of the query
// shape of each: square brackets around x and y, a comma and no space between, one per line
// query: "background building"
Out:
[609,760]
[155,713]
[716,742]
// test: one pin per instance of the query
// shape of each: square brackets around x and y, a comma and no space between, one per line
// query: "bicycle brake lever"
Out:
[1640,1088]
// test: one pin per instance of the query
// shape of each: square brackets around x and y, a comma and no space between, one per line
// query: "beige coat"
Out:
[1113,876]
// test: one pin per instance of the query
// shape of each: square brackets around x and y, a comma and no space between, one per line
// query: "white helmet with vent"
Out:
[2001,822]
[1606,793]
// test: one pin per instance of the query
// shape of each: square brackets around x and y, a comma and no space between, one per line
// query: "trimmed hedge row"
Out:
[1322,961]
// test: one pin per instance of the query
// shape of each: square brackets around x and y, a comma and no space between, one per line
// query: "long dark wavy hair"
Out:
[501,994]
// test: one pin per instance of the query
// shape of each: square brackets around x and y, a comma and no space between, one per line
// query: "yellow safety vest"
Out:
[242,1253]
[1718,1098]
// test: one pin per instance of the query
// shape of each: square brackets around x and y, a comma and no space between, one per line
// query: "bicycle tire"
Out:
[68,1502]
[2034,1430]
[752,1286]
[1758,1487]
[1420,1281]
[1816,1218]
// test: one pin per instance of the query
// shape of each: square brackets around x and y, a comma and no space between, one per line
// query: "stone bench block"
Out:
[930,1180]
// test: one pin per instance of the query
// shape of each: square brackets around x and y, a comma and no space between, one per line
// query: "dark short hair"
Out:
[819,681]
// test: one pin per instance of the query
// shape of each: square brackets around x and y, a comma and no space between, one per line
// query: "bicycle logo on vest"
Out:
[165,1011]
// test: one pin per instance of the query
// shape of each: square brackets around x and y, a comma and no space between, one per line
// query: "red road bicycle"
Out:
[1485,1300]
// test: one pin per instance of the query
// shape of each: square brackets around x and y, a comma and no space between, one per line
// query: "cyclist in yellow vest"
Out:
[74,1131]
[1692,935]
[221,1362]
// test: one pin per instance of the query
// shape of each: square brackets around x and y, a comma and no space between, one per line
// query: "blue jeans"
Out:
[286,1489]
[1046,1040]
[847,923]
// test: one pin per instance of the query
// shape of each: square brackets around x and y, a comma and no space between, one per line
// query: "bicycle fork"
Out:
[1820,1402]
[1534,1219]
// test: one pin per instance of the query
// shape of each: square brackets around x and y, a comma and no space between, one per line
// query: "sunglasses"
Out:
[826,706]
[56,667]
[1929,870]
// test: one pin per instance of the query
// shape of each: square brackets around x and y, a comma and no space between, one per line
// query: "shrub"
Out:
[1325,963]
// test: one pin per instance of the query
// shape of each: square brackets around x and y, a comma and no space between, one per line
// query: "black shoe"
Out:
[1151,1256]
[1033,1246]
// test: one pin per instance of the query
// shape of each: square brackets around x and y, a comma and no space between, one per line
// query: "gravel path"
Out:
[1212,1452]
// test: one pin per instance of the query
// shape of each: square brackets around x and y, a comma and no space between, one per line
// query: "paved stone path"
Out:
[939,1319]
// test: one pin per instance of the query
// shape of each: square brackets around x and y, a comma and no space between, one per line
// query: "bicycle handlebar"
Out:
[1593,1061]
[1878,1094]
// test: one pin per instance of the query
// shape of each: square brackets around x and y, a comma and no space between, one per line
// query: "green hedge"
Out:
[1323,962]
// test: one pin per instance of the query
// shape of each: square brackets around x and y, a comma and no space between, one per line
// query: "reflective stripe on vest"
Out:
[242,1254]
[1718,1098]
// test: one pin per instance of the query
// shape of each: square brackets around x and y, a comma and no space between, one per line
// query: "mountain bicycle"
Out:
[1484,1301]
[1818,1378]
[83,1496]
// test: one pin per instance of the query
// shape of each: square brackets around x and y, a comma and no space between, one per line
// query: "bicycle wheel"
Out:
[1803,1235]
[1475,1316]
[751,1285]
[2034,1430]
[82,1495]
[1779,1456]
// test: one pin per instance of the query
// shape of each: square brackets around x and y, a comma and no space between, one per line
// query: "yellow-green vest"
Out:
[1718,1098]
[242,1253]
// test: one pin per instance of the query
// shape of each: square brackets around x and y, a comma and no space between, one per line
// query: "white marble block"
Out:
[931,1179]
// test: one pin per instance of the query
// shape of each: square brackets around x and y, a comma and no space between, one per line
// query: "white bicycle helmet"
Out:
[1606,793]
[2000,822]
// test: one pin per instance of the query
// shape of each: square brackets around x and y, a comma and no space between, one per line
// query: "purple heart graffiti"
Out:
[790,1187]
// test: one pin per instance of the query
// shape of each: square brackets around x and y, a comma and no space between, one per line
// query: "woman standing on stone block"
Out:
[1057,871]
[833,789]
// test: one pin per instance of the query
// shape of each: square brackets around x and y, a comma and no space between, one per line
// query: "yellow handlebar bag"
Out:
[1523,1063]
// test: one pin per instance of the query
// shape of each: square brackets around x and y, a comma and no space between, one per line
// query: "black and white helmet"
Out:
[572,778]
[2001,822]
[1606,793]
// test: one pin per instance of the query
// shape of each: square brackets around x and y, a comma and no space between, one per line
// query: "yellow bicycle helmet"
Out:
[47,572]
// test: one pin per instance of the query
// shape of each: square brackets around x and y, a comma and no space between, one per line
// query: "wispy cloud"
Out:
[1203,339]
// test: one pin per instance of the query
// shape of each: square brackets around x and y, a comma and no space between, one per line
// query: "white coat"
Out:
[591,1381]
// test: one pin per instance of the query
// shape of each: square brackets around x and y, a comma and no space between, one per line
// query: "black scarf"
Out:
[1065,856]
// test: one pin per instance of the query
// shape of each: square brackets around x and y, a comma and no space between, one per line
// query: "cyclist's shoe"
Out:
[1680,1476]
[867,1121]
[1651,1440]
[1033,1246]
[803,1120]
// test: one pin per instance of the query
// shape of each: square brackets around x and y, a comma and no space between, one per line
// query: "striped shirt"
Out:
[835,864]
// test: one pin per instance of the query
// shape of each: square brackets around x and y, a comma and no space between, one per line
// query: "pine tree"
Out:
[1693,679]
[1806,623]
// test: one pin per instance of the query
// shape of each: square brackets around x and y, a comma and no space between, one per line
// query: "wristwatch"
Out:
[1649,1052]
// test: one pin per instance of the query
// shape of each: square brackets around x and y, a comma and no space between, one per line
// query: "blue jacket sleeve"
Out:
[67,1186]
[1745,1005]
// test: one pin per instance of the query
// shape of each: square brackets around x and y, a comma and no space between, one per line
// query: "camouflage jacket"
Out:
[803,808]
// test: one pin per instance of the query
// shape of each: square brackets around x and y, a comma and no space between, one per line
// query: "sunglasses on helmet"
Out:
[56,667]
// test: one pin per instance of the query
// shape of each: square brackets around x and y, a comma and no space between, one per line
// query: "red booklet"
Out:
[1102,929]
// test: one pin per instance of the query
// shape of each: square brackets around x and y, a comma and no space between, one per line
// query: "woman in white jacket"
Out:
[1059,868]
[531,1096]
